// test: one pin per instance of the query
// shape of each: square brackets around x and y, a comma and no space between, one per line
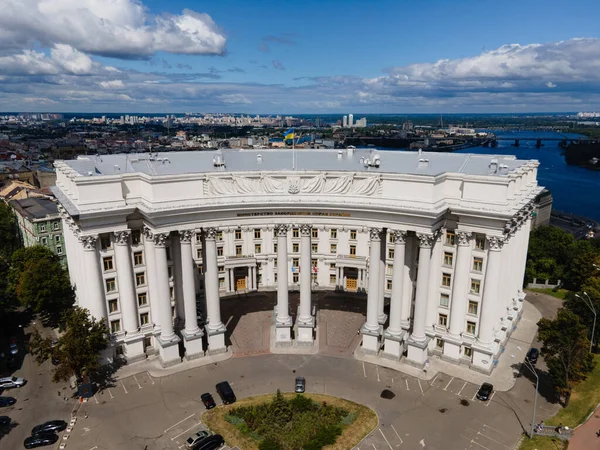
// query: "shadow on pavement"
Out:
[6,429]
[546,386]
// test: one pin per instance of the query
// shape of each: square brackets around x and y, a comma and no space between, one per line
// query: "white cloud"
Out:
[118,28]
[235,98]
[112,84]
[550,85]
[62,59]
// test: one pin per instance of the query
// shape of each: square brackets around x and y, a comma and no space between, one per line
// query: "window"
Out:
[444,300]
[450,238]
[42,228]
[140,279]
[275,263]
[391,238]
[59,250]
[170,272]
[353,250]
[353,235]
[333,248]
[257,248]
[468,351]
[44,241]
[221,269]
[446,279]
[314,233]
[113,306]
[144,319]
[108,263]
[314,248]
[105,242]
[172,293]
[389,270]
[257,233]
[295,232]
[332,266]
[471,327]
[142,299]
[198,253]
[480,242]
[138,258]
[275,277]
[220,236]
[473,307]
[219,251]
[198,238]
[295,247]
[200,269]
[110,285]
[475,286]
[313,263]
[238,234]
[443,320]
[295,278]
[55,225]
[333,233]
[238,250]
[390,253]
[136,237]
[115,326]
[295,262]
[439,343]
[332,279]
[168,252]
[57,238]
[477,264]
[388,284]
[448,257]
[275,247]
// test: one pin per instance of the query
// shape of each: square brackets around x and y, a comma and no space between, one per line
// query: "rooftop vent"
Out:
[117,168]
[493,166]
[423,163]
[259,158]
[218,161]
[375,161]
[350,150]
[340,154]
[503,168]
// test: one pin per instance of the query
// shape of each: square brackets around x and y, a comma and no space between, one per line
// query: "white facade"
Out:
[441,238]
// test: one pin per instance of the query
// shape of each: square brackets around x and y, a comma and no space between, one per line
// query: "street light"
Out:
[588,302]
[528,364]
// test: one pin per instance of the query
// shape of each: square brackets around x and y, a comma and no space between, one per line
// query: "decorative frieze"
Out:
[122,237]
[185,236]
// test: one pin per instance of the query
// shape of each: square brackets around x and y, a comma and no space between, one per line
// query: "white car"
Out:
[12,382]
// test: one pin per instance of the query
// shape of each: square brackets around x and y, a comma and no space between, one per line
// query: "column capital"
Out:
[282,229]
[398,236]
[88,242]
[185,236]
[425,240]
[211,233]
[122,237]
[495,243]
[375,234]
[464,238]
[160,239]
[148,233]
[305,229]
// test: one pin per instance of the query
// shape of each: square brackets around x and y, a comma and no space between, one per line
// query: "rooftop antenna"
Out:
[441,121]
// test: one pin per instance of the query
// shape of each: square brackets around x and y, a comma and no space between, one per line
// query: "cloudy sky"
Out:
[309,56]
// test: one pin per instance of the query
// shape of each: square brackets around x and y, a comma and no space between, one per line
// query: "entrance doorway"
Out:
[351,276]
[240,275]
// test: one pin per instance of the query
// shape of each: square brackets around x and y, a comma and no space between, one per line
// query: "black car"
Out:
[7,401]
[208,400]
[532,355]
[39,440]
[485,391]
[225,392]
[211,443]
[4,421]
[49,427]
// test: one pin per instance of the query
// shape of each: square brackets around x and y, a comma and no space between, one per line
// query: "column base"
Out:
[405,324]
[483,357]
[370,339]
[393,345]
[168,352]
[283,333]
[382,319]
[417,352]
[305,331]
[451,350]
[193,345]
[134,348]
[216,340]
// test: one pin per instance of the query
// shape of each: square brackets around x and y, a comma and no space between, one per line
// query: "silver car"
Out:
[11,382]
[300,385]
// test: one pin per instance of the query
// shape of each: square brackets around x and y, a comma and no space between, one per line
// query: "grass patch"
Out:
[543,443]
[559,293]
[584,399]
[362,421]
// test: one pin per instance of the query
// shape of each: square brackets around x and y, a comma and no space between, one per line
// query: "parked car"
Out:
[12,382]
[14,346]
[211,443]
[40,440]
[208,400]
[485,391]
[300,385]
[532,355]
[7,401]
[4,421]
[194,441]
[225,392]
[50,426]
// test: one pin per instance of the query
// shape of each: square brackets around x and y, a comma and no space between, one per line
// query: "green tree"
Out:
[550,252]
[10,237]
[78,349]
[565,348]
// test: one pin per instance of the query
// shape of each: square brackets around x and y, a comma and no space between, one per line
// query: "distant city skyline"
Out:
[310,57]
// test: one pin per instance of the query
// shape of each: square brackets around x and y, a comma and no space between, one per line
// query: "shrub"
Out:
[269,444]
[347,420]
[325,436]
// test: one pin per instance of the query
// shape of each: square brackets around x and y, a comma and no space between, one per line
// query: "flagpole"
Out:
[294,150]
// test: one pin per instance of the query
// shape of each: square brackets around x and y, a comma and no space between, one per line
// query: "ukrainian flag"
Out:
[289,134]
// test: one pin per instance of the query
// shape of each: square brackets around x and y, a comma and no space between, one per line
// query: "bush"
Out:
[325,436]
[269,444]
[347,420]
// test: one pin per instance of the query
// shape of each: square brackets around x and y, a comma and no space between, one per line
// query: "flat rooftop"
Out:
[35,208]
[264,160]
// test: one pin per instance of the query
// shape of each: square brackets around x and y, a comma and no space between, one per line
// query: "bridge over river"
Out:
[563,139]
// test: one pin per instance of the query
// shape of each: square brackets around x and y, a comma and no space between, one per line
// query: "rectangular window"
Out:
[55,225]
[314,248]
[353,235]
[113,306]
[353,250]
[468,351]
[168,252]
[219,251]
[480,242]
[198,238]
[314,233]
[477,264]
[105,242]
[473,307]
[42,228]
[136,237]
[295,262]
[59,250]
[275,277]
[144,319]
[439,343]
[142,299]
[333,233]
[108,263]
[295,232]
[388,285]
[115,326]
[331,266]
[295,247]
[313,263]
[221,269]
[295,278]
[238,250]
[256,233]
[172,293]
[448,257]
[275,263]
[257,248]
[471,327]
[220,236]
[389,270]
[198,253]
[238,234]
[44,241]
[140,279]
[450,238]
[170,272]
[446,279]
[111,285]
[138,258]
[443,320]
[275,247]
[444,300]
[333,248]
[57,238]
[332,280]
[390,253]
[200,269]
[475,286]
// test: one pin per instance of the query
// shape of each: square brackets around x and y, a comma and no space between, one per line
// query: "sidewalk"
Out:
[584,436]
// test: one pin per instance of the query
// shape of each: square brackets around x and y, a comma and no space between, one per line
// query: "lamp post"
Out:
[588,302]
[528,364]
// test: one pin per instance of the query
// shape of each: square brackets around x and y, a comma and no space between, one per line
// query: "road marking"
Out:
[435,378]
[497,431]
[377,370]
[490,400]
[191,415]
[364,370]
[183,432]
[493,440]
[446,388]
[473,399]
[228,320]
[374,446]
[124,387]
[94,447]
[138,383]
[461,389]
[397,434]
[151,380]
[420,387]
[392,381]
[388,442]
[96,399]
[406,379]
[477,443]
[109,393]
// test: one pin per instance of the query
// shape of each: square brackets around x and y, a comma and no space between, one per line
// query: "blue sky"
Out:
[300,57]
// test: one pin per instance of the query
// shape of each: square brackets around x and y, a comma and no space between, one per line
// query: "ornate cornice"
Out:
[425,240]
[398,236]
[211,233]
[160,239]
[464,238]
[306,229]
[88,242]
[282,229]
[186,236]
[148,233]
[495,243]
[375,234]
[122,237]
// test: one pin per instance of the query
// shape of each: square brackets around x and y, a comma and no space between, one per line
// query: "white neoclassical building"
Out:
[154,240]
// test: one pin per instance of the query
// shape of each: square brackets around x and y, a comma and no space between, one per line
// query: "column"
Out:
[231,276]
[150,260]
[215,329]
[134,341]
[524,249]
[408,283]
[435,277]
[418,341]
[95,301]
[283,320]
[381,315]
[176,277]
[371,329]
[168,340]
[192,334]
[485,346]
[394,335]
[305,322]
